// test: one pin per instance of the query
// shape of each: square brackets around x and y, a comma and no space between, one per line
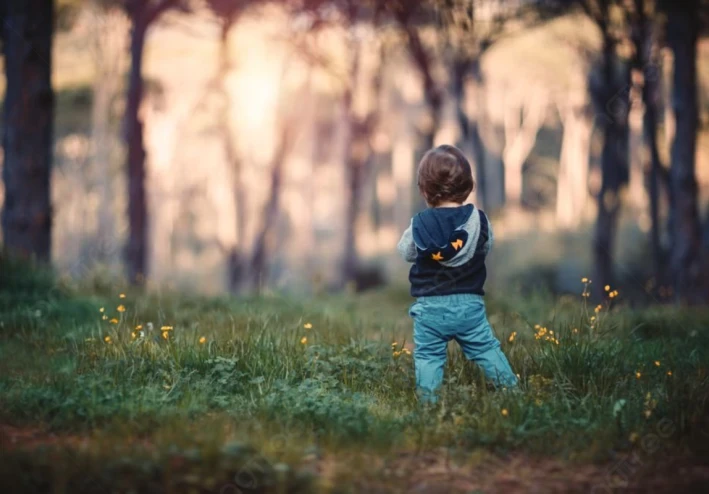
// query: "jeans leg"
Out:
[496,367]
[480,345]
[429,360]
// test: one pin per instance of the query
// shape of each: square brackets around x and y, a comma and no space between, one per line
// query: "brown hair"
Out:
[445,175]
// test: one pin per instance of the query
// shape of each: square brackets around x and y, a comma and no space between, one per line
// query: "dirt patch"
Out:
[12,438]
[436,472]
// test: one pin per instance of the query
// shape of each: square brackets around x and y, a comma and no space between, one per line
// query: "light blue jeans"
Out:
[460,317]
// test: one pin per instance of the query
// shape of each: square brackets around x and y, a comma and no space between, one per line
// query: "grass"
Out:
[278,389]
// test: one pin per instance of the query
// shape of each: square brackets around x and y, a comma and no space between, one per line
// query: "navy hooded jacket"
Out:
[447,247]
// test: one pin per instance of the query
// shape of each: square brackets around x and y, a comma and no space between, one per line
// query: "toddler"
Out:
[447,244]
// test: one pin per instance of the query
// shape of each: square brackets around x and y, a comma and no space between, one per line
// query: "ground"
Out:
[280,394]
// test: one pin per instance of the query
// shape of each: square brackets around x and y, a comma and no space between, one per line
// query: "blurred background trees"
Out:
[260,145]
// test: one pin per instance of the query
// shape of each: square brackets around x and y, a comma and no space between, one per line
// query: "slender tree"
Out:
[360,126]
[228,12]
[682,36]
[412,16]
[610,90]
[646,63]
[109,36]
[28,126]
[466,41]
[142,15]
[259,252]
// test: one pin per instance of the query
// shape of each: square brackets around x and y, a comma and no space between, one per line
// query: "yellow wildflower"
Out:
[166,328]
[307,325]
[575,330]
[107,339]
[657,363]
[669,373]
[101,309]
[303,340]
[113,321]
[121,308]
[164,334]
[504,412]
[593,318]
[584,280]
[512,336]
[394,344]
[607,288]
[202,340]
[396,353]
[638,374]
[406,351]
[122,295]
[133,335]
[139,327]
[104,317]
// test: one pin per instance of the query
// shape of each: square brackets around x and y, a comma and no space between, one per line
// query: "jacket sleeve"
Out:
[490,237]
[406,246]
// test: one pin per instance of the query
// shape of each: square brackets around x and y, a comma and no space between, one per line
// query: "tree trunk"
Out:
[359,155]
[469,129]
[353,168]
[269,217]
[28,127]
[109,33]
[434,101]
[136,254]
[682,34]
[614,103]
[647,62]
[236,253]
[572,184]
[355,177]
[522,123]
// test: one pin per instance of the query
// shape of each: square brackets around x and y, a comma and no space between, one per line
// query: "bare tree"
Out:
[28,126]
[359,129]
[109,34]
[259,252]
[229,12]
[524,116]
[572,184]
[682,36]
[466,41]
[470,29]
[610,90]
[142,15]
[411,17]
[646,62]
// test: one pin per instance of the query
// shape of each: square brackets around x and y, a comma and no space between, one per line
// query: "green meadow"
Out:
[110,390]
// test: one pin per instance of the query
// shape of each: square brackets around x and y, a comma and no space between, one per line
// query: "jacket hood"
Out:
[440,233]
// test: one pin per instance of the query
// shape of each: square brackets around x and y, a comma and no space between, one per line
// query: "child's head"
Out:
[444,176]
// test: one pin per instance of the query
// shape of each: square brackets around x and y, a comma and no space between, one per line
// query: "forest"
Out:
[200,206]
